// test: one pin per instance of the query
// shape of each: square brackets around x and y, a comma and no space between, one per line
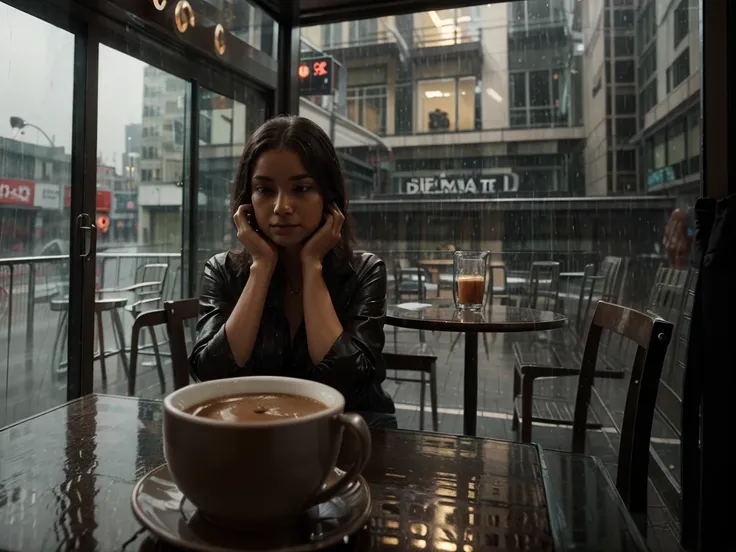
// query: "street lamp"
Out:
[20,124]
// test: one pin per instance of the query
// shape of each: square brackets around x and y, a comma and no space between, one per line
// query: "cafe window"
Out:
[446,105]
[366,105]
[681,18]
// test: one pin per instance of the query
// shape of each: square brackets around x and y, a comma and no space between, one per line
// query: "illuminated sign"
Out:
[317,76]
[485,184]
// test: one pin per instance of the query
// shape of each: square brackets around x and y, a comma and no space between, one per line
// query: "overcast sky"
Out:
[36,83]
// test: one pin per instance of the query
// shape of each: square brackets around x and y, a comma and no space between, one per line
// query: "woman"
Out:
[297,301]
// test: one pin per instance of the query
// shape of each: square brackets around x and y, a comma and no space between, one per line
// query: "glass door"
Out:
[225,124]
[41,153]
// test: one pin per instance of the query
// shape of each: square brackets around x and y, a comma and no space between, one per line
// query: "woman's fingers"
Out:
[338,220]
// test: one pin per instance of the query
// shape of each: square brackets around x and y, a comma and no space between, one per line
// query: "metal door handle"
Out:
[87,234]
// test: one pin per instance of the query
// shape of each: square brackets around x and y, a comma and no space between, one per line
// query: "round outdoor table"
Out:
[442,317]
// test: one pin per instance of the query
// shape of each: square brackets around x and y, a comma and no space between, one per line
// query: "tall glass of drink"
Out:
[469,279]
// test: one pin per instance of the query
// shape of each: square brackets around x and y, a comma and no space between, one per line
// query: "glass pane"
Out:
[539,83]
[141,143]
[600,129]
[230,123]
[436,105]
[35,179]
[246,21]
[466,104]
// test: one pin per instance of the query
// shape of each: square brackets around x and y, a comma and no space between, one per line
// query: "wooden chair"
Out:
[423,361]
[172,316]
[651,336]
[555,359]
[177,312]
[543,286]
[148,319]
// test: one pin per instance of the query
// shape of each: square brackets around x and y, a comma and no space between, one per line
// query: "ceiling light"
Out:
[493,94]
[463,19]
[439,23]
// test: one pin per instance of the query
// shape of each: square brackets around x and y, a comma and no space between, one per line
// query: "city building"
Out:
[33,179]
[668,87]
[496,115]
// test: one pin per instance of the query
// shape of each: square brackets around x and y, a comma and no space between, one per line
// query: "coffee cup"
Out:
[260,473]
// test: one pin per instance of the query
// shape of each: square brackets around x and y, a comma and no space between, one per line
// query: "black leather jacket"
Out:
[354,365]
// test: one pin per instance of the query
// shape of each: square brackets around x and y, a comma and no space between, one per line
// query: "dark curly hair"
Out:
[318,156]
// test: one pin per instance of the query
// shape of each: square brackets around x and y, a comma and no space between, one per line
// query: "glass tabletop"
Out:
[587,511]
[441,315]
[66,478]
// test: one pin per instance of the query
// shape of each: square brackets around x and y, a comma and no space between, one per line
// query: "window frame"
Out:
[420,115]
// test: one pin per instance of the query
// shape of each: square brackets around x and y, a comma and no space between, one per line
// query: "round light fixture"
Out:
[184,16]
[220,39]
[159,4]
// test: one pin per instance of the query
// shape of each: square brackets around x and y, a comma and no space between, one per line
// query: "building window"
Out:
[676,152]
[647,99]
[623,19]
[536,98]
[678,71]
[366,105]
[623,46]
[693,142]
[526,14]
[625,129]
[647,27]
[446,105]
[682,22]
[660,150]
[625,72]
[626,160]
[625,104]
[648,65]
[364,31]
[332,34]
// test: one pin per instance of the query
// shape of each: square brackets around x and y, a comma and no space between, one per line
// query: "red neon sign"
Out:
[320,68]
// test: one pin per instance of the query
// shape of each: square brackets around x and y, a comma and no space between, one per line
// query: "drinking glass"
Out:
[469,279]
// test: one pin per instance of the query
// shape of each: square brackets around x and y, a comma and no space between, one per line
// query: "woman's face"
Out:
[287,202]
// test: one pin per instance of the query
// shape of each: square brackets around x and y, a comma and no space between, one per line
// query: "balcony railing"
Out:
[425,37]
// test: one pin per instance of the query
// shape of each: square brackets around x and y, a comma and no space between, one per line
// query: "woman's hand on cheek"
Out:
[263,250]
[325,238]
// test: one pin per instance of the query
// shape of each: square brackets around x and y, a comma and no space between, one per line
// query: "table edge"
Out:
[549,493]
[70,402]
[436,325]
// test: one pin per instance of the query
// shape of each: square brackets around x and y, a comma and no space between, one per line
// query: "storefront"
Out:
[30,216]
